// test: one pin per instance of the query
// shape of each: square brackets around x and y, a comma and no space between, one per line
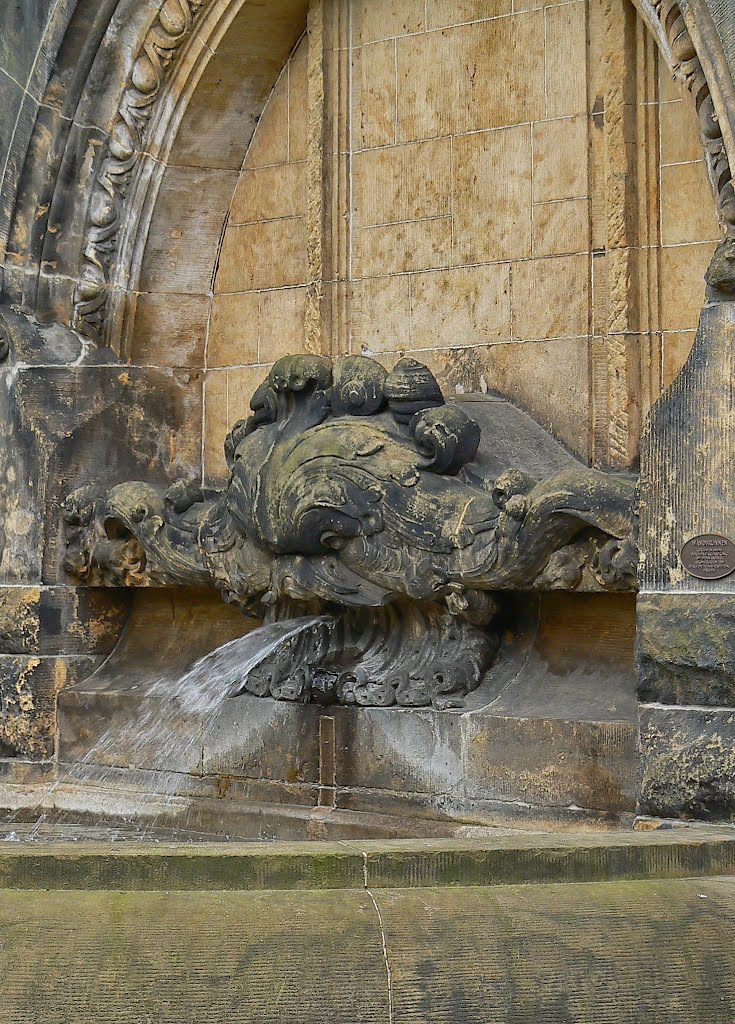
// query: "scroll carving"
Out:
[172,26]
[687,65]
[365,498]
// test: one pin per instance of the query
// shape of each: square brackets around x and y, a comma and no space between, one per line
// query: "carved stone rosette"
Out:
[363,496]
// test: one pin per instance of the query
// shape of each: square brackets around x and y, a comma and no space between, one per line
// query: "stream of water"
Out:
[165,733]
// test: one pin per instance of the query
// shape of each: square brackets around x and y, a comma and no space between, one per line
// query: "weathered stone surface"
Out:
[549,737]
[687,476]
[258,739]
[553,726]
[431,78]
[504,858]
[170,330]
[29,687]
[477,766]
[60,620]
[65,421]
[105,731]
[552,763]
[685,653]
[688,763]
[151,650]
[552,44]
[355,487]
[686,648]
[517,953]
[23,27]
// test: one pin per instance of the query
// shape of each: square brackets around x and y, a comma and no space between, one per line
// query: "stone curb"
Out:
[376,864]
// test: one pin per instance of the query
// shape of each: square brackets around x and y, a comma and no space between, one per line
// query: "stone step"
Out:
[508,858]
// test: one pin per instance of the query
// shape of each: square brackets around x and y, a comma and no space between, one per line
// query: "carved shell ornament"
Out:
[365,496]
[410,388]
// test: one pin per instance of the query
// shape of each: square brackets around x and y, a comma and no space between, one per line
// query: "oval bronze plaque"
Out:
[709,556]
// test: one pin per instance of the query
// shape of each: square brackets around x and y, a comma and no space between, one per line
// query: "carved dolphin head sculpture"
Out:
[353,490]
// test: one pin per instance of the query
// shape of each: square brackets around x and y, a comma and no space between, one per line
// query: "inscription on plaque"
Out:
[708,557]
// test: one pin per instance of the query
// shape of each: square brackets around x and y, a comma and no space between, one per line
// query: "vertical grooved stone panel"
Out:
[687,471]
[562,955]
[134,958]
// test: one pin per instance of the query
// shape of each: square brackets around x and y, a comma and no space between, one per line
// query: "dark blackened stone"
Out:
[22,340]
[411,387]
[29,687]
[40,620]
[721,273]
[22,29]
[687,485]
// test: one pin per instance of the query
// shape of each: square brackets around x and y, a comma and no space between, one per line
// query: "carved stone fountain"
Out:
[425,539]
[363,496]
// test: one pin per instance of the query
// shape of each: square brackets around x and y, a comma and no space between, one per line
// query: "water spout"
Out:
[224,672]
[156,728]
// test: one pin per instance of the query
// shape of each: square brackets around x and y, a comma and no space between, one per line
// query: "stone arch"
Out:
[91,58]
[690,43]
[129,92]
[84,236]
[194,126]
[70,90]
[209,114]
[166,50]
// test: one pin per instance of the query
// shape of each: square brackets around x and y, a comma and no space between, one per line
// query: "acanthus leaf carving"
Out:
[688,67]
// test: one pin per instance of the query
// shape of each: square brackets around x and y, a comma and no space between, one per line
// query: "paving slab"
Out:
[609,953]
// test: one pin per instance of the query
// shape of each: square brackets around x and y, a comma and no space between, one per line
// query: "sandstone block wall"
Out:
[259,304]
[494,150]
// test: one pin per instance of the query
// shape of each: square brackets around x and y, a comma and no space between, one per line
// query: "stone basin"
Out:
[549,742]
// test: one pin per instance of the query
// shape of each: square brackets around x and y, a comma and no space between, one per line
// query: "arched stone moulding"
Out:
[100,305]
[104,307]
[143,106]
[169,64]
[167,47]
[689,43]
[67,113]
[121,74]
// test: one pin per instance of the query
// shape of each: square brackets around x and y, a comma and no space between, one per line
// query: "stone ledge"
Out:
[508,859]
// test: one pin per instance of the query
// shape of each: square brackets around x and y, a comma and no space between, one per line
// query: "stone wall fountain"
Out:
[466,627]
[446,597]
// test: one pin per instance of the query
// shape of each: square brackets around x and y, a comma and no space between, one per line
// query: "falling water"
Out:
[169,722]
[212,679]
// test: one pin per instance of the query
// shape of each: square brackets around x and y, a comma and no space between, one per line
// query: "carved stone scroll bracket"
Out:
[404,655]
[171,28]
